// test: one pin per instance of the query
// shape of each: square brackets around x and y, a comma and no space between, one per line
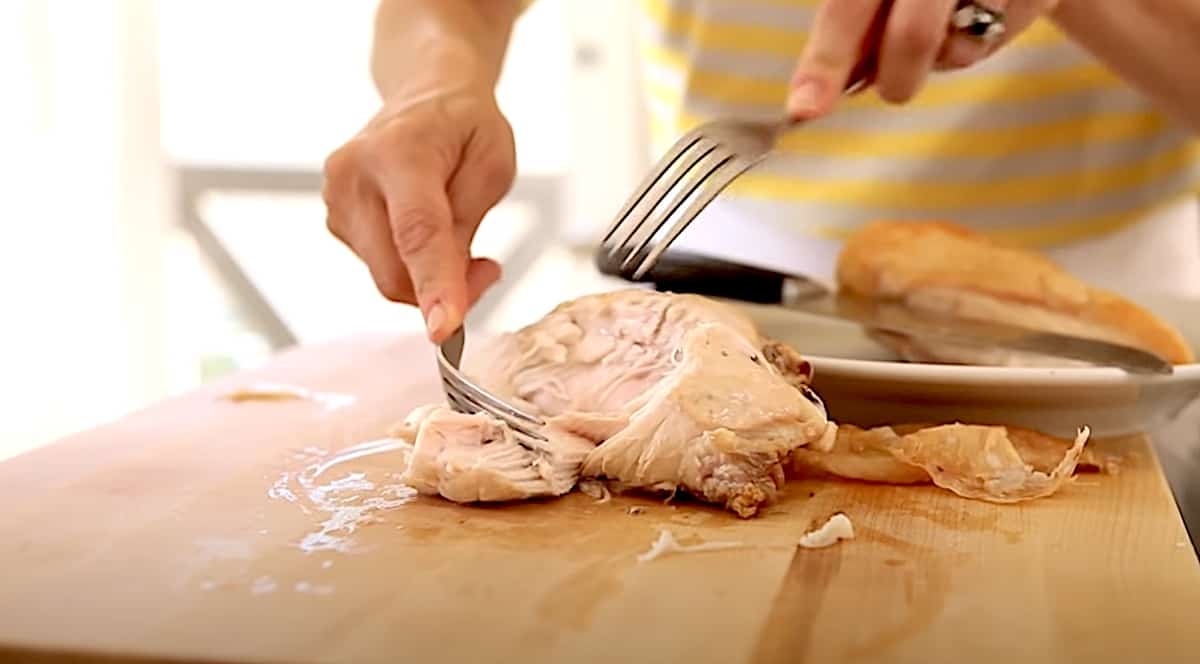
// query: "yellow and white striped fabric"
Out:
[1040,144]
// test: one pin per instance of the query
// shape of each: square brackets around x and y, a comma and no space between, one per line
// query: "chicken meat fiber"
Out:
[640,389]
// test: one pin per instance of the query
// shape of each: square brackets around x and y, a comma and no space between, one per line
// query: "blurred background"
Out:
[161,181]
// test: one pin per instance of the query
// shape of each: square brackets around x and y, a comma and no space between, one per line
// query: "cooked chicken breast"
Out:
[646,390]
[474,458]
[720,426]
[597,353]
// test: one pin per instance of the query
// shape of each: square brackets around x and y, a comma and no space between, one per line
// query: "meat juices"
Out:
[644,390]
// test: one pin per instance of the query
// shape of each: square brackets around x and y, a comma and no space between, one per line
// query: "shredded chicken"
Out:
[837,528]
[470,458]
[666,544]
[595,489]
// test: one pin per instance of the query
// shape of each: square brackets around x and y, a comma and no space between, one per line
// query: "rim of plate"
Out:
[952,373]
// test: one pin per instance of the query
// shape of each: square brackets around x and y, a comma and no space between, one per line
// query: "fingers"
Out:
[915,32]
[412,181]
[408,201]
[387,201]
[1018,15]
[370,237]
[408,193]
[835,47]
[489,166]
[357,216]
[915,38]
[960,51]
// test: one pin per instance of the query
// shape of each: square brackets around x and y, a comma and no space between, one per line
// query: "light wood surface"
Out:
[155,536]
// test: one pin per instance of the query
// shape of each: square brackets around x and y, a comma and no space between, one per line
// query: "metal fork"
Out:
[688,177]
[708,158]
[693,171]
[465,396]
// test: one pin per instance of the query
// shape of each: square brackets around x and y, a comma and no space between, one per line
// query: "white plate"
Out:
[862,383]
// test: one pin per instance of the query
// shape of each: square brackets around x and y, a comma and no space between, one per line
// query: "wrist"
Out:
[441,66]
[433,44]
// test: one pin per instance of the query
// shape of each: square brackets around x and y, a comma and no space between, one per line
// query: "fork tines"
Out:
[465,396]
[691,174]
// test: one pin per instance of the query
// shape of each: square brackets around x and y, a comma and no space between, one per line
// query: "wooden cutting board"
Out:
[156,537]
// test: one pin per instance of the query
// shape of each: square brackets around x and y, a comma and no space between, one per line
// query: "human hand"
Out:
[407,194]
[907,40]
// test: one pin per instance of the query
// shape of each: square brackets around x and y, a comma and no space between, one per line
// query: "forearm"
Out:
[416,40]
[1152,44]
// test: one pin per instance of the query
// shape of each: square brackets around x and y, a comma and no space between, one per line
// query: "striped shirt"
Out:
[1040,144]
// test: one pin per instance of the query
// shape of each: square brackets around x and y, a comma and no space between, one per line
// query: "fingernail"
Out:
[435,319]
[804,99]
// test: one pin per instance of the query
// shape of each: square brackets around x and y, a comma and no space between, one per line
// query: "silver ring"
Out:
[977,21]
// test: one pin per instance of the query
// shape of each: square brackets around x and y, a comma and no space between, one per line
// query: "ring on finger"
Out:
[978,21]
